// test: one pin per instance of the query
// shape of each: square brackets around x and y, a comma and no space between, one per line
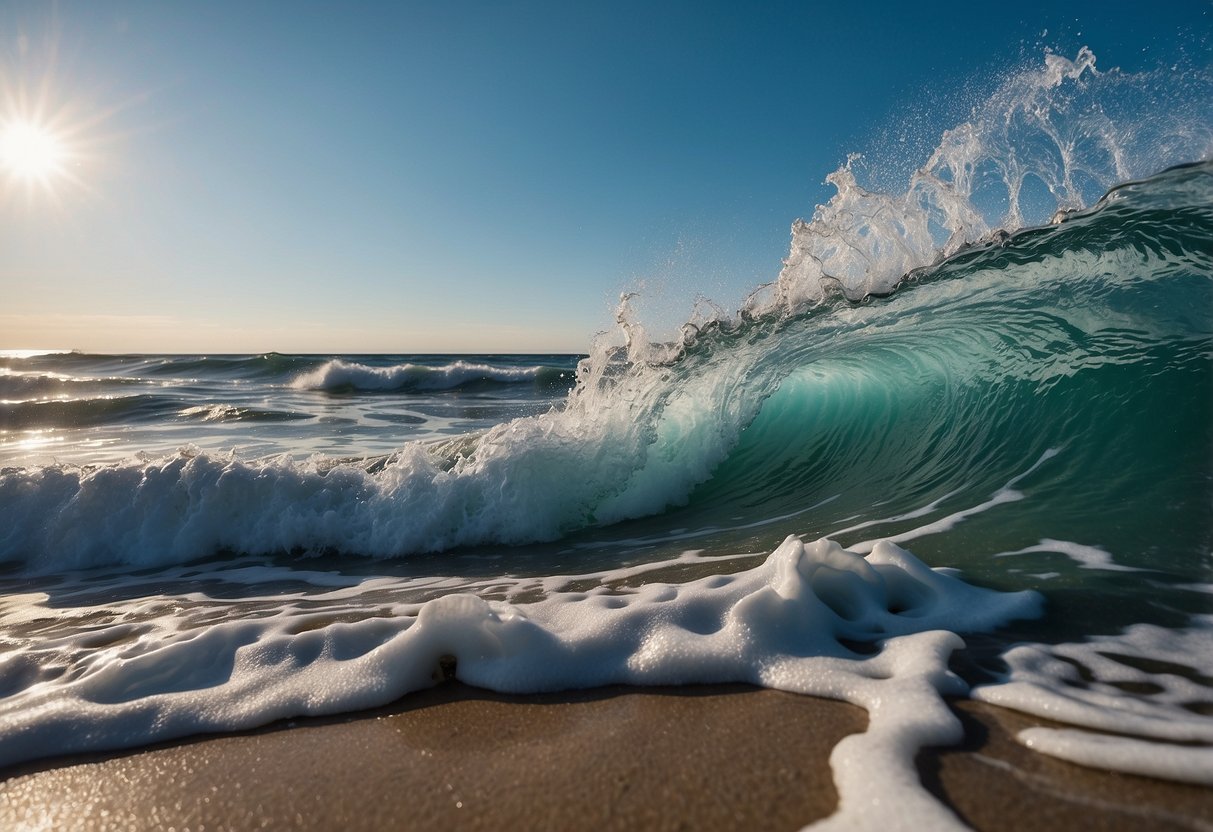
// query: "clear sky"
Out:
[456,176]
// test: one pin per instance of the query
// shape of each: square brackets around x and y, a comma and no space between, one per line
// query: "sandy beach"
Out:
[715,757]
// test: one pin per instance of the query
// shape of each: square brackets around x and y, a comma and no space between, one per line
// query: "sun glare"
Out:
[31,152]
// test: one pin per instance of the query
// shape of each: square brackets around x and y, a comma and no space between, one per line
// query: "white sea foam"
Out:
[1148,688]
[1088,557]
[1006,494]
[791,623]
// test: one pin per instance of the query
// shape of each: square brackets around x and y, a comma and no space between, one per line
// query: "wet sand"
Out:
[715,757]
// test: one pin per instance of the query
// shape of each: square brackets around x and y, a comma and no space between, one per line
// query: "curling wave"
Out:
[1040,340]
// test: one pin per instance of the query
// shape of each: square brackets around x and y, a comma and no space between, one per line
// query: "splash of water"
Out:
[1047,142]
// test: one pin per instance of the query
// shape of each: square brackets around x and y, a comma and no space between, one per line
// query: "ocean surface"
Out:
[961,445]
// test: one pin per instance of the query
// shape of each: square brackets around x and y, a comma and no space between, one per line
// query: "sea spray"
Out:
[1045,129]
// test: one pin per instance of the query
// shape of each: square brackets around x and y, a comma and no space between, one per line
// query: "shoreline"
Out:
[700,757]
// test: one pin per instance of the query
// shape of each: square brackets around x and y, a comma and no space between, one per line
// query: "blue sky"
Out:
[464,177]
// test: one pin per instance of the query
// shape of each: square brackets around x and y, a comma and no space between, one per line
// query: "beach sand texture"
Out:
[457,757]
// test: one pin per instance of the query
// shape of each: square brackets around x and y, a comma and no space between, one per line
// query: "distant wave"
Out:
[338,376]
[79,413]
[265,366]
[32,385]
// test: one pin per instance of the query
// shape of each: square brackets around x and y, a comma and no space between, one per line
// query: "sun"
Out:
[31,152]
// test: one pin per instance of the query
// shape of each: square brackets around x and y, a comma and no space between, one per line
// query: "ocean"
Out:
[961,446]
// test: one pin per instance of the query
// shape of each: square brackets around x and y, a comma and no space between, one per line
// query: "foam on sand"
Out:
[813,619]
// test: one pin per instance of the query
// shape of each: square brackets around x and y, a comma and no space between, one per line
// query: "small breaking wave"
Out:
[232,413]
[339,376]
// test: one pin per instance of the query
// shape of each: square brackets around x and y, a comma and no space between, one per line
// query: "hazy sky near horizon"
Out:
[465,177]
